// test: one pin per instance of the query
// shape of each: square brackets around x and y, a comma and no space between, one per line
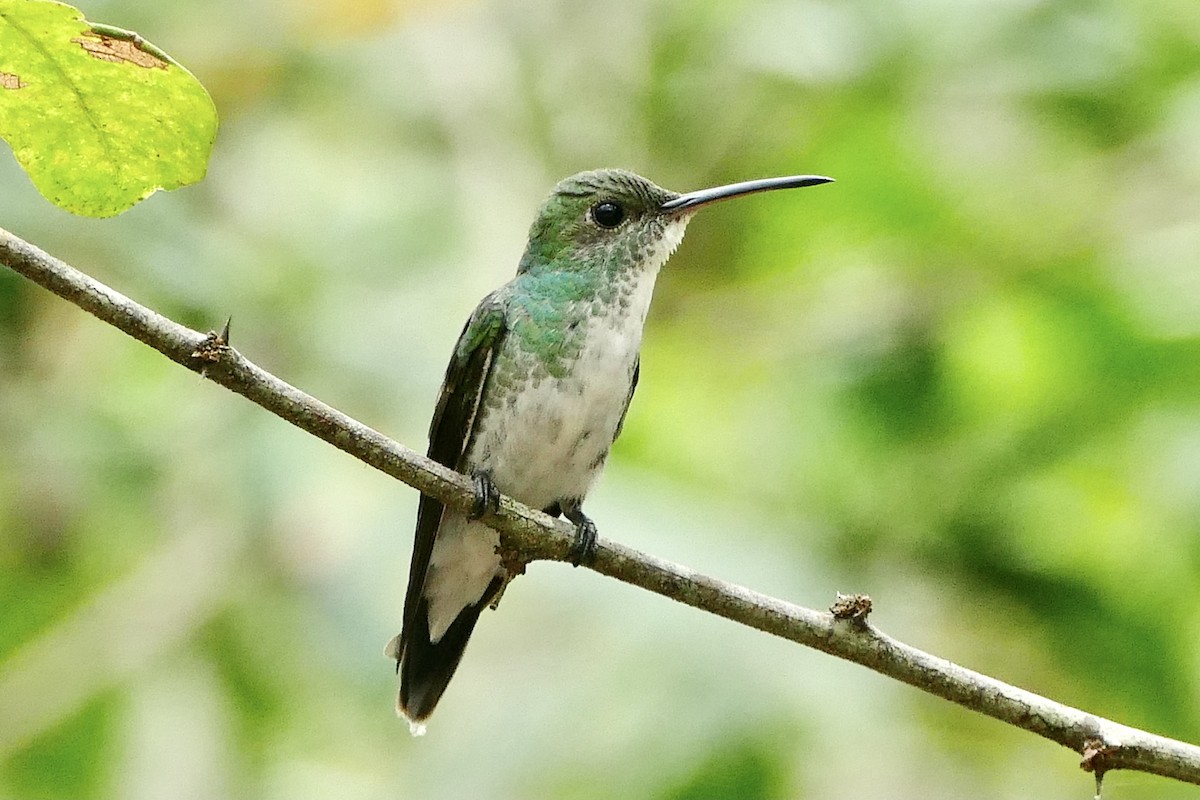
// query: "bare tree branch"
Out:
[529,535]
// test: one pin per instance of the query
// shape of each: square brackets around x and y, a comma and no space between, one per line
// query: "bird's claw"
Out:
[487,496]
[583,547]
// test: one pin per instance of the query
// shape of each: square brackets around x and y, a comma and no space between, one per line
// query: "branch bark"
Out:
[531,535]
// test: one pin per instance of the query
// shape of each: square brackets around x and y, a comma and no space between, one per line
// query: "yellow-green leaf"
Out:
[98,117]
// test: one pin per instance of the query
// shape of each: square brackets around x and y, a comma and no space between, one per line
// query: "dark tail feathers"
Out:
[426,667]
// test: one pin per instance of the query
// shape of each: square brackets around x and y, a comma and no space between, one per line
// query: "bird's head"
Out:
[612,220]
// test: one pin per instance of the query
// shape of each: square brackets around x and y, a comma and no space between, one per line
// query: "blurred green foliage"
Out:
[963,379]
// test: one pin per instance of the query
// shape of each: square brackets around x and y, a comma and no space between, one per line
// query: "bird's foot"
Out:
[487,496]
[583,548]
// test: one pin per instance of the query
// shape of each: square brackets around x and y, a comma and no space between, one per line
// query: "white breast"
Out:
[552,443]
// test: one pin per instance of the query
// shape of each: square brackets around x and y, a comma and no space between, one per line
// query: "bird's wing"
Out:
[452,428]
[637,368]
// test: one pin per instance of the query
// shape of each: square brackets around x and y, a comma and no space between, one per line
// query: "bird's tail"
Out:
[425,666]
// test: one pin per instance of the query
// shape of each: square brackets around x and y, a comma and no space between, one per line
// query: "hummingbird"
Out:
[535,395]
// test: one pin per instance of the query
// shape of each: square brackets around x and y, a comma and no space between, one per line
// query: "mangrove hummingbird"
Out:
[536,392]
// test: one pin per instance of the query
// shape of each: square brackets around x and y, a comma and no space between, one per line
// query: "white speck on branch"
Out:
[1103,744]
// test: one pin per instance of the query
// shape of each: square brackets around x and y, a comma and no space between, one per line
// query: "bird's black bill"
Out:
[694,200]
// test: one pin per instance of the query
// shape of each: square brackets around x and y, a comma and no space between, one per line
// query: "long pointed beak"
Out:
[686,203]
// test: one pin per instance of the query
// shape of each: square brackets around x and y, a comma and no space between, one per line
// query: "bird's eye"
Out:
[608,214]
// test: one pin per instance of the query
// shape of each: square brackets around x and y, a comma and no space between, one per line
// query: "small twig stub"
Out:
[214,346]
[853,607]
[1095,759]
[1095,756]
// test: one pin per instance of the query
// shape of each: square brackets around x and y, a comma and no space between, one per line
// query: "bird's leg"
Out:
[487,496]
[583,549]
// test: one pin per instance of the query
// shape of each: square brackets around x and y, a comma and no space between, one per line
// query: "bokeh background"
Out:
[964,379]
